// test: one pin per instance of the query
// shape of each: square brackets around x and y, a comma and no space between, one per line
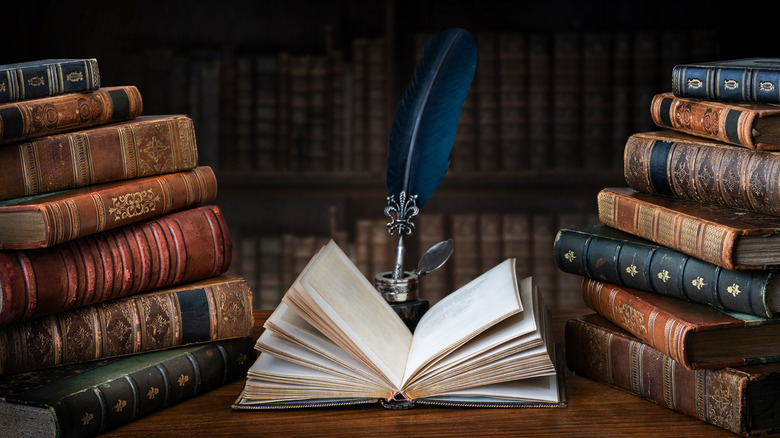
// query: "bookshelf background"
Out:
[293,101]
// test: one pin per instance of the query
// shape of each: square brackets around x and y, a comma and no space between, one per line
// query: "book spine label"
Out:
[661,270]
[48,79]
[177,248]
[738,84]
[714,396]
[705,119]
[704,240]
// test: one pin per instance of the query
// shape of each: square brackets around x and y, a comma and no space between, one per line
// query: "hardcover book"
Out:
[749,125]
[50,115]
[208,310]
[727,237]
[742,400]
[176,248]
[47,77]
[696,336]
[92,398]
[684,166]
[335,341]
[738,80]
[143,146]
[606,254]
[46,220]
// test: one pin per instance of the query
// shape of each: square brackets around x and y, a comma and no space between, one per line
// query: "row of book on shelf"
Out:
[681,272]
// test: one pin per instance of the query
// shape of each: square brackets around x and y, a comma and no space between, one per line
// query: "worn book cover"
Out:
[47,77]
[738,80]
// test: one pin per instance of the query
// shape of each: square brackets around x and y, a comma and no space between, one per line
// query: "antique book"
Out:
[606,254]
[727,237]
[750,125]
[737,80]
[50,219]
[739,399]
[92,398]
[335,341]
[695,335]
[208,310]
[143,146]
[47,77]
[176,248]
[50,115]
[684,166]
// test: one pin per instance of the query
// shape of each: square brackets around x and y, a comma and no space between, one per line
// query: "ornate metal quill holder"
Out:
[398,287]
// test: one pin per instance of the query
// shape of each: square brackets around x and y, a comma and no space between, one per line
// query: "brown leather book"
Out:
[750,125]
[696,336]
[739,399]
[684,166]
[209,310]
[49,115]
[728,237]
[51,219]
[177,248]
[143,146]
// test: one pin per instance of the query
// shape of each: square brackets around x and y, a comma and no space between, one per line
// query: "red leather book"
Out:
[48,220]
[50,115]
[208,310]
[176,248]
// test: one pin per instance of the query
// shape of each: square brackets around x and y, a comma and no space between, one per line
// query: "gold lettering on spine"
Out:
[134,204]
[631,318]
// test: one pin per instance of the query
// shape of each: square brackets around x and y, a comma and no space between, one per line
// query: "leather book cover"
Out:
[47,220]
[47,77]
[737,80]
[750,125]
[176,248]
[50,115]
[143,146]
[207,310]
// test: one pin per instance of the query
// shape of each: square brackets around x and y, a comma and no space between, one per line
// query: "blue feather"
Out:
[426,119]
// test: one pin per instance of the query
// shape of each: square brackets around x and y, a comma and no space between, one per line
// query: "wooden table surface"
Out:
[594,410]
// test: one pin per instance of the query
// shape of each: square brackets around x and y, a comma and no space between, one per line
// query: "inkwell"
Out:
[421,141]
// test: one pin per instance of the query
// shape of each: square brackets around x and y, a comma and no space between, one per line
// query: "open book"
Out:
[334,341]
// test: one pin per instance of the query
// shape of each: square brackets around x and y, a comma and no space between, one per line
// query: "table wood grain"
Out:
[594,410]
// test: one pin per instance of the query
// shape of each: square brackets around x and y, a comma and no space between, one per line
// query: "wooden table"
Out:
[594,410]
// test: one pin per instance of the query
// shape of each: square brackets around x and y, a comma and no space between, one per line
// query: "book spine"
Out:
[714,396]
[177,248]
[48,79]
[158,384]
[704,119]
[737,84]
[747,179]
[118,205]
[98,155]
[711,242]
[658,269]
[658,328]
[200,313]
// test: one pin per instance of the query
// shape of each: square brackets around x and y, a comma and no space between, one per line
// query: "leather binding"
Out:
[737,80]
[207,310]
[177,248]
[47,77]
[694,168]
[143,146]
[68,215]
[50,115]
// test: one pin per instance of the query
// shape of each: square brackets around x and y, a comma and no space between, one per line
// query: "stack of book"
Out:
[682,274]
[110,256]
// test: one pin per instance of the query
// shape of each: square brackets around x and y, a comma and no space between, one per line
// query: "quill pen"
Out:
[423,131]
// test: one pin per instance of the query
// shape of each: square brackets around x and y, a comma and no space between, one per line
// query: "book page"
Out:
[465,313]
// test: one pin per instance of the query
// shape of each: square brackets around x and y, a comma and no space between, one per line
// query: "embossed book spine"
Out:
[49,115]
[736,399]
[80,212]
[47,77]
[177,248]
[208,310]
[688,167]
[143,146]
[90,399]
[609,255]
[727,122]
[737,80]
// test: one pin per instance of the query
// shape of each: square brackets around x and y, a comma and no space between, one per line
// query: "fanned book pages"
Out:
[334,341]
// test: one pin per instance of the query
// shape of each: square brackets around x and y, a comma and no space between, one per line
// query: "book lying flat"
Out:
[736,80]
[334,341]
[47,77]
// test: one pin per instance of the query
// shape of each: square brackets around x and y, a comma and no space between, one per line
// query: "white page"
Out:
[537,389]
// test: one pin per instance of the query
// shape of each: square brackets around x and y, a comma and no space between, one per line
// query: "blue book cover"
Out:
[736,80]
